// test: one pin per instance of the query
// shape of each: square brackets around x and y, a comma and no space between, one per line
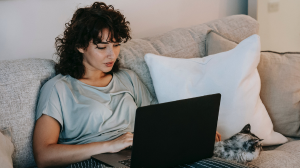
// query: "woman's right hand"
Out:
[121,142]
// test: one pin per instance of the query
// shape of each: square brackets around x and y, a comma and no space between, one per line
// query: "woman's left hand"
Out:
[218,137]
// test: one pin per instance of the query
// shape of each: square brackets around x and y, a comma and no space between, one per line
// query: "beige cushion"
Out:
[280,83]
[6,149]
[280,90]
[286,155]
[216,43]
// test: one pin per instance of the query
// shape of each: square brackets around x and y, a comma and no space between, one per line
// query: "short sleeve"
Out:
[142,95]
[49,104]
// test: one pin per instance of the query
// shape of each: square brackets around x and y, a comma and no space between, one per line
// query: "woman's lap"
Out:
[205,163]
[90,163]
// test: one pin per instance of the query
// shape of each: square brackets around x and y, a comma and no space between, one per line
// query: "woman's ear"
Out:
[80,50]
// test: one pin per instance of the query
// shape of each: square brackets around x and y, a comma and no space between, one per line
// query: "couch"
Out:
[21,80]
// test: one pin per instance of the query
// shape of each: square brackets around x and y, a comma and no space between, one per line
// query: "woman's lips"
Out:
[109,64]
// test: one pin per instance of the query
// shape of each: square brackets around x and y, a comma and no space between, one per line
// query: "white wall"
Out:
[28,27]
[279,30]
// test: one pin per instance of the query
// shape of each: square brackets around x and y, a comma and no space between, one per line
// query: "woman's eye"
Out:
[117,45]
[101,48]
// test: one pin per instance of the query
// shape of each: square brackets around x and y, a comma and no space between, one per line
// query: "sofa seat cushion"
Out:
[280,83]
[286,155]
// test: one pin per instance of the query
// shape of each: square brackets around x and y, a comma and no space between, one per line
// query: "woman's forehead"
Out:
[106,36]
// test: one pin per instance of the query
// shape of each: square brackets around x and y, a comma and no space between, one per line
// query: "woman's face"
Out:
[101,56]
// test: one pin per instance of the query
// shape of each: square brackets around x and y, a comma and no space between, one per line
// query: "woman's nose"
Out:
[110,53]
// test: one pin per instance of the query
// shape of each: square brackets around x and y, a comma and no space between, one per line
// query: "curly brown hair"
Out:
[85,25]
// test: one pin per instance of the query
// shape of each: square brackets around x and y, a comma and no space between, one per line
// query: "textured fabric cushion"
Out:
[6,148]
[232,73]
[216,43]
[280,83]
[280,91]
[182,43]
[286,155]
[20,82]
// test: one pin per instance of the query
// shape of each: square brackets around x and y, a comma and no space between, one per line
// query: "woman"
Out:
[89,106]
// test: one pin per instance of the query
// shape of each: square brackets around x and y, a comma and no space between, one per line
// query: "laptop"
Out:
[170,134]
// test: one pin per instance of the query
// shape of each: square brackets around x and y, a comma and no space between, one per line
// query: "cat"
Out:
[242,147]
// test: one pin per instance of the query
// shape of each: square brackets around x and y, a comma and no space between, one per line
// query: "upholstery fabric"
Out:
[6,148]
[236,27]
[286,155]
[232,73]
[280,90]
[182,43]
[216,43]
[20,82]
[280,83]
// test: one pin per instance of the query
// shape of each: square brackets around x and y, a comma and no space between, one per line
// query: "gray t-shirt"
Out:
[91,114]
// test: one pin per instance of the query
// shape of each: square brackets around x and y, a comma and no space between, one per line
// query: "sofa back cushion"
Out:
[20,82]
[182,43]
[280,90]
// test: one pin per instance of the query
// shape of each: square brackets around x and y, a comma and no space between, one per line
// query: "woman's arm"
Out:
[48,153]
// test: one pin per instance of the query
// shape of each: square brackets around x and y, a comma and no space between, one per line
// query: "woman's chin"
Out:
[106,70]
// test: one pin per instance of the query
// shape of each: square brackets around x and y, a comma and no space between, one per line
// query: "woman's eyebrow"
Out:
[107,42]
[103,43]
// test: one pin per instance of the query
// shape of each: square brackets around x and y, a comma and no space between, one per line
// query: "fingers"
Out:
[122,142]
[127,138]
[218,137]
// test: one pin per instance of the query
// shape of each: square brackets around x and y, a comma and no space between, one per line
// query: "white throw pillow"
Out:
[233,74]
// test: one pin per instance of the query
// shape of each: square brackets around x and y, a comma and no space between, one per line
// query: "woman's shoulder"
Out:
[49,92]
[54,83]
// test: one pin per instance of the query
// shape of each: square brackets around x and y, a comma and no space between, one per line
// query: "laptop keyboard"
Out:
[125,162]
